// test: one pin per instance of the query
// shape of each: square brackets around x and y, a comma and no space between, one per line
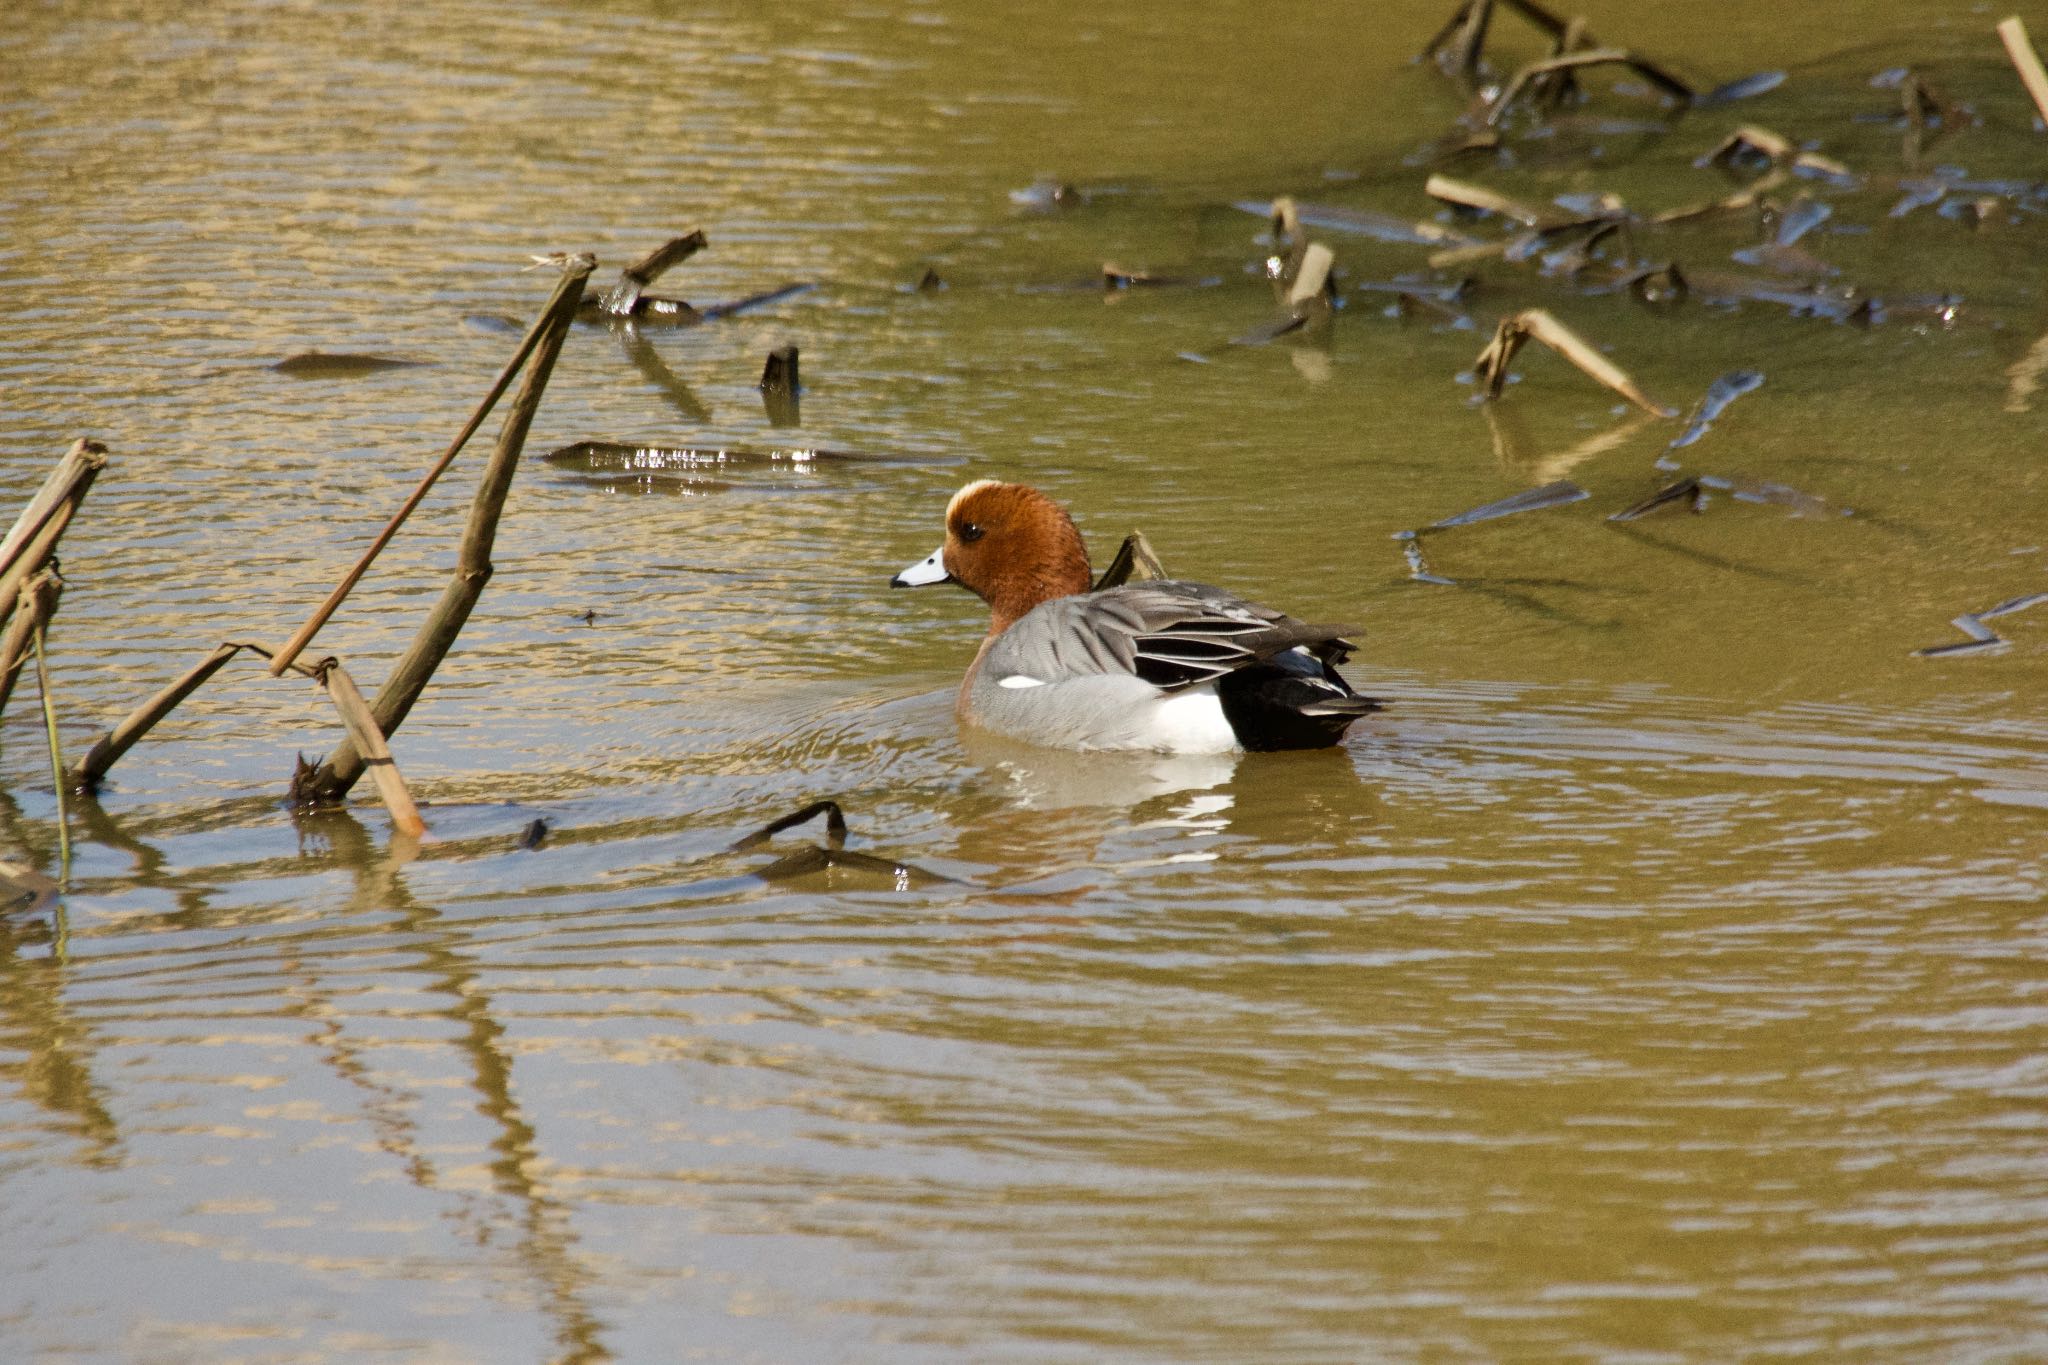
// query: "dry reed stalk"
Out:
[37,601]
[363,733]
[1537,325]
[1312,281]
[409,677]
[1468,195]
[1741,199]
[88,772]
[2020,51]
[66,483]
[42,523]
[34,606]
[575,273]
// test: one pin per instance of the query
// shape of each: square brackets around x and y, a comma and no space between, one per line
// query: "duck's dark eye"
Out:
[970,532]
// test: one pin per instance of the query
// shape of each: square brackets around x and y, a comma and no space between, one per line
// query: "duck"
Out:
[1165,666]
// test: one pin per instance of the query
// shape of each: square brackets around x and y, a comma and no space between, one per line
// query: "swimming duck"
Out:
[1167,666]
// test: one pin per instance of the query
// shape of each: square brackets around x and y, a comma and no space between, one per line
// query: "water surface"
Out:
[1656,979]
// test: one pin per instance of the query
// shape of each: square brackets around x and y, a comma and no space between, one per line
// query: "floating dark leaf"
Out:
[328,365]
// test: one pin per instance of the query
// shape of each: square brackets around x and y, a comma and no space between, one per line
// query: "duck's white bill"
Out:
[931,569]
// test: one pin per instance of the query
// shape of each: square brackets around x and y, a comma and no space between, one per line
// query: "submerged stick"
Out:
[383,768]
[2020,51]
[409,677]
[108,749]
[573,276]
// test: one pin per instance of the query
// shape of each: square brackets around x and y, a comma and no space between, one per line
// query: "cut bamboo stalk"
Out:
[87,774]
[369,741]
[2020,51]
[332,780]
[574,274]
[38,601]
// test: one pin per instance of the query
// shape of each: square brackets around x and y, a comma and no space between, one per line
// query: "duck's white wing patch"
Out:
[1017,680]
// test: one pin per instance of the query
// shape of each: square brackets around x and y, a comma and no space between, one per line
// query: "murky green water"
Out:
[1659,978]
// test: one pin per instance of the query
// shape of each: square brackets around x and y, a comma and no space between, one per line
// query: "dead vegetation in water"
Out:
[28,581]
[1589,245]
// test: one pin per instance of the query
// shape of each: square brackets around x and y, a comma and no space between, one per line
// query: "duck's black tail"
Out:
[1290,701]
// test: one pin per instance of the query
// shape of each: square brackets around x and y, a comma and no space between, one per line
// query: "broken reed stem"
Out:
[42,523]
[1535,324]
[107,750]
[74,473]
[383,768]
[576,273]
[56,750]
[1572,61]
[38,600]
[2020,51]
[409,677]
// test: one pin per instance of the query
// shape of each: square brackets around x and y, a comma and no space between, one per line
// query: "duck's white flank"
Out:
[1191,722]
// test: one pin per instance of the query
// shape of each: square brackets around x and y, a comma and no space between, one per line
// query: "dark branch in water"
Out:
[781,389]
[623,298]
[833,855]
[835,826]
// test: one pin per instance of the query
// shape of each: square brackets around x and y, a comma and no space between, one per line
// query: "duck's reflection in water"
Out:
[1038,778]
[1056,812]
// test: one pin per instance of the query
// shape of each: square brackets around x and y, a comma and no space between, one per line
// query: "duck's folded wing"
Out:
[1196,650]
[1172,635]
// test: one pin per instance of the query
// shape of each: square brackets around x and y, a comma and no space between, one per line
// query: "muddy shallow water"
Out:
[1658,978]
